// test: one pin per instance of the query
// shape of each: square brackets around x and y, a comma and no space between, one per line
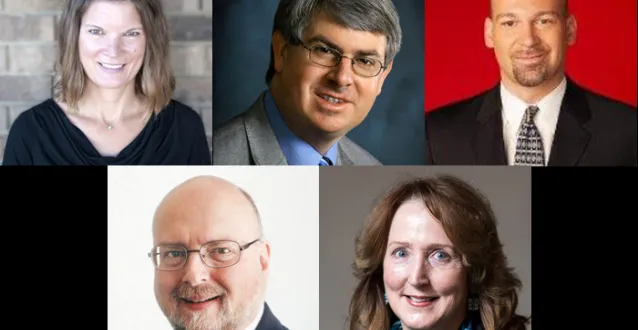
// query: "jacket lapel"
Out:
[487,142]
[269,321]
[262,141]
[571,137]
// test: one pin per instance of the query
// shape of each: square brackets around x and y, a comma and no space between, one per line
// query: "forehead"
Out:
[413,223]
[349,40]
[528,7]
[111,12]
[196,219]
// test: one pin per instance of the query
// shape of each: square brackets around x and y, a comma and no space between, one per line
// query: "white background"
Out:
[288,200]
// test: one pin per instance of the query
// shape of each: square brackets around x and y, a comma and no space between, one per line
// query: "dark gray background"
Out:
[347,194]
[394,131]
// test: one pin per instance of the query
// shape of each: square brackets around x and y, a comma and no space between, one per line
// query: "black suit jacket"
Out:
[592,130]
[269,321]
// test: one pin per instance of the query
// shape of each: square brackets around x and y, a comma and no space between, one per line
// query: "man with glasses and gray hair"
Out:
[328,62]
[211,261]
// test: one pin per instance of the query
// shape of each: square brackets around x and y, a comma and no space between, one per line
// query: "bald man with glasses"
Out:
[211,260]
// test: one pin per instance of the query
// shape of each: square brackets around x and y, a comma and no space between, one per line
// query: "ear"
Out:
[572,26]
[487,32]
[383,75]
[264,257]
[279,50]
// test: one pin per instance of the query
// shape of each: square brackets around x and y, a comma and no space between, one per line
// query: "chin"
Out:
[419,324]
[110,84]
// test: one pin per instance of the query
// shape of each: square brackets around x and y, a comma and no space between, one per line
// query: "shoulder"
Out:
[467,107]
[181,112]
[35,117]
[232,129]
[464,106]
[619,110]
[356,153]
[607,115]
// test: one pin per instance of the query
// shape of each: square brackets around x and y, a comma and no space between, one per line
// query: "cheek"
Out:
[135,48]
[447,283]
[164,286]
[308,77]
[394,275]
[88,47]
[368,89]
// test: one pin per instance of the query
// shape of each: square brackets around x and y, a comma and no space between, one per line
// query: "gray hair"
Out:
[376,16]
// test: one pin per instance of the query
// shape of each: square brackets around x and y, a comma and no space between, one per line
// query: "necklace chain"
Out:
[110,127]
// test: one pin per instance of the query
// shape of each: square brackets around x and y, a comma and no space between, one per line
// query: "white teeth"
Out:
[331,99]
[421,300]
[109,66]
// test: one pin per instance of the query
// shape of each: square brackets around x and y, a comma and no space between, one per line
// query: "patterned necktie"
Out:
[325,161]
[529,146]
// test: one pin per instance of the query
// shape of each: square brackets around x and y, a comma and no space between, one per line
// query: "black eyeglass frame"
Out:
[340,57]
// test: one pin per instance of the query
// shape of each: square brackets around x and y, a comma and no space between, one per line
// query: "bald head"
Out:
[563,4]
[196,212]
[216,207]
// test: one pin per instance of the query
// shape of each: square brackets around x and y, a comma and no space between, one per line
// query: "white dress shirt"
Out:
[255,322]
[545,119]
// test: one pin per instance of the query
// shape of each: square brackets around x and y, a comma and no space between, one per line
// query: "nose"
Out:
[342,74]
[529,35]
[112,47]
[418,273]
[195,271]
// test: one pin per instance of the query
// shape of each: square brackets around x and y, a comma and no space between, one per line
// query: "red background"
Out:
[459,65]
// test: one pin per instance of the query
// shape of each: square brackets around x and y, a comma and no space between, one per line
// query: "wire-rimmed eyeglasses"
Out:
[214,254]
[330,57]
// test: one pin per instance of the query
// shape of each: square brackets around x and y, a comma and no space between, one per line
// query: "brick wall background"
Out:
[28,50]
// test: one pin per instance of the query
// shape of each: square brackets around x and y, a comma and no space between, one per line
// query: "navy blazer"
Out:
[269,321]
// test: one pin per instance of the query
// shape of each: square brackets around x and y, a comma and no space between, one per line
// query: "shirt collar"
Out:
[255,322]
[514,107]
[296,150]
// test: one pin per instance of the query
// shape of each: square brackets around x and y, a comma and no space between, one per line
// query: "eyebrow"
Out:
[169,243]
[428,247]
[101,28]
[184,245]
[542,13]
[323,39]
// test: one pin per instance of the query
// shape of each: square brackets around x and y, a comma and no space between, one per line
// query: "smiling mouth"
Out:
[111,66]
[531,56]
[331,99]
[199,301]
[419,299]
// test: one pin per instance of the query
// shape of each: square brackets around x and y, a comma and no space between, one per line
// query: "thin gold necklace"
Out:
[110,127]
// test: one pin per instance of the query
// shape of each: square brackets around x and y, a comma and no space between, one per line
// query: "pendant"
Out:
[109,127]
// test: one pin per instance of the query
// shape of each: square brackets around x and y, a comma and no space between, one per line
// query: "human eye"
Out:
[366,61]
[400,253]
[546,21]
[132,33]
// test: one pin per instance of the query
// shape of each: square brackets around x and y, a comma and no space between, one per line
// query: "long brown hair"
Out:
[155,80]
[469,222]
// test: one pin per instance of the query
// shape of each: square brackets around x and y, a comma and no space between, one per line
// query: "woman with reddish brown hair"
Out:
[429,257]
[112,89]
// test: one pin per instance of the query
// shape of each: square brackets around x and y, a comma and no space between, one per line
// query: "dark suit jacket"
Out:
[592,130]
[269,321]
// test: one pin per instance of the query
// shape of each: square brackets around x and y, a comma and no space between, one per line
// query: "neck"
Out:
[109,104]
[531,95]
[252,315]
[302,128]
